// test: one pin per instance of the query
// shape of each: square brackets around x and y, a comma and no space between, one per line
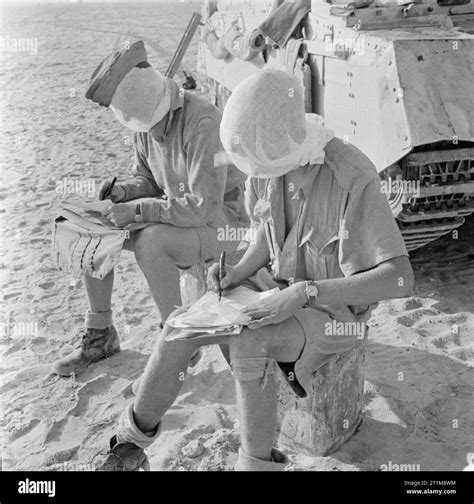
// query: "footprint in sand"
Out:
[411,304]
[94,388]
[55,431]
[60,456]
[12,296]
[411,318]
[23,430]
[47,285]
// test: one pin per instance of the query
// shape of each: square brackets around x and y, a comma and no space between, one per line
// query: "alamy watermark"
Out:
[76,186]
[346,45]
[399,467]
[338,328]
[399,186]
[17,45]
[230,233]
[12,329]
[75,467]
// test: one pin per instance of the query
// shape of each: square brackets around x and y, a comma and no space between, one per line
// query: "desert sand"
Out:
[419,365]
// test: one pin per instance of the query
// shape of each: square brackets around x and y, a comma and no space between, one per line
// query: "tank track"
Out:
[446,184]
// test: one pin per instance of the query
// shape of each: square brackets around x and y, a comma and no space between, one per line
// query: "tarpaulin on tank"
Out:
[281,23]
[437,79]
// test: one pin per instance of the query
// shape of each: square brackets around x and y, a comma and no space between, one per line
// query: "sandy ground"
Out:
[419,376]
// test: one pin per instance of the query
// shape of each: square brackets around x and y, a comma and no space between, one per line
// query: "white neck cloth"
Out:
[310,151]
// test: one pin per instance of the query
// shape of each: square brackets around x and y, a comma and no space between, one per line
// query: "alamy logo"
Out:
[399,467]
[37,487]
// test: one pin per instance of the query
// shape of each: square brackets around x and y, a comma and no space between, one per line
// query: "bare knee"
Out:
[282,342]
[150,243]
[180,245]
[250,357]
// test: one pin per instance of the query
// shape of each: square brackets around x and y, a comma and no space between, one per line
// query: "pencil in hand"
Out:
[221,272]
[109,190]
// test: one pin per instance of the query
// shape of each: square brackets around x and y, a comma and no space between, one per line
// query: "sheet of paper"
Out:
[189,334]
[96,218]
[212,317]
[93,206]
[210,312]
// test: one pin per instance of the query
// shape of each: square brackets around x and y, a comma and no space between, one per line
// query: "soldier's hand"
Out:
[120,215]
[230,281]
[116,196]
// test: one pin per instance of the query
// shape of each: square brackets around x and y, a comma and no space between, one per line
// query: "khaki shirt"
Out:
[341,223]
[186,184]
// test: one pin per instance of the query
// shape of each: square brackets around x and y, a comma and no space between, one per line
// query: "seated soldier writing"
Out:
[177,190]
[328,233]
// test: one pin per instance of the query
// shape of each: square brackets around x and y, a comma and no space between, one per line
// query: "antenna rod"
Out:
[183,45]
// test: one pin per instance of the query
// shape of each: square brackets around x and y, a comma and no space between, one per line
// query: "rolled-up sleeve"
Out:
[204,194]
[369,233]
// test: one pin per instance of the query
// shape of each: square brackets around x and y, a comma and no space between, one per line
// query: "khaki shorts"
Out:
[320,346]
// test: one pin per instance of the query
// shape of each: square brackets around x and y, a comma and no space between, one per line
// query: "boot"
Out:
[96,344]
[247,463]
[122,457]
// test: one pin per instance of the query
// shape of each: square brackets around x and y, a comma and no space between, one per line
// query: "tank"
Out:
[394,78]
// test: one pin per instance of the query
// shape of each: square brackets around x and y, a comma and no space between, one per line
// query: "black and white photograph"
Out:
[237,236]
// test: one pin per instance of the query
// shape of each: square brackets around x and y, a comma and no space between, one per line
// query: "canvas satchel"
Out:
[84,247]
